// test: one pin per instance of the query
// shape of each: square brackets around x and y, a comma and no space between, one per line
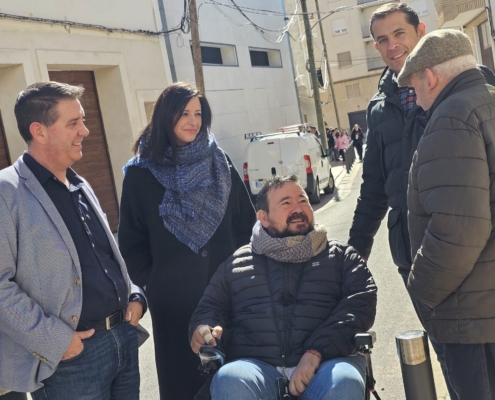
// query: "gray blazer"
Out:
[40,301]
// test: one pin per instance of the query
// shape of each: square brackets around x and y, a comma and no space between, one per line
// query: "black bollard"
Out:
[415,363]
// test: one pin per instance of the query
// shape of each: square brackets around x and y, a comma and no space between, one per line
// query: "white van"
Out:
[290,153]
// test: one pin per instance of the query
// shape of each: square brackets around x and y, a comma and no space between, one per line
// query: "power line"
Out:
[182,27]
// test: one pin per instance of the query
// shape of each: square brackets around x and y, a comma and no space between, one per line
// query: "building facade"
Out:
[39,41]
[474,18]
[354,63]
[249,81]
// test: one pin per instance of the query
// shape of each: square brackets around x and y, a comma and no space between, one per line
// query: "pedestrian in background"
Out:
[331,144]
[341,143]
[357,140]
[315,132]
[184,210]
[453,242]
[335,150]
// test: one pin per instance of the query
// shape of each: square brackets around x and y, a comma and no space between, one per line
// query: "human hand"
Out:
[134,312]
[76,345]
[204,334]
[304,373]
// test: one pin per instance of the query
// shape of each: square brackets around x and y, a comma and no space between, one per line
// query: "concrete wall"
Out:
[243,98]
[130,69]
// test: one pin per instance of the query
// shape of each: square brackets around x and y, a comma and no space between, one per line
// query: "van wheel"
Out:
[331,185]
[315,197]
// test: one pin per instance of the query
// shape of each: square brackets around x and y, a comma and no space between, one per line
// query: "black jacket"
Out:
[320,304]
[175,277]
[393,136]
[357,141]
[451,214]
[146,244]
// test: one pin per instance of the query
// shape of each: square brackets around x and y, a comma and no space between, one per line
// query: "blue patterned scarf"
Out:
[197,187]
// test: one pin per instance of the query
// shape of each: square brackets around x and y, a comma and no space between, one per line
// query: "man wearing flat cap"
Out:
[451,200]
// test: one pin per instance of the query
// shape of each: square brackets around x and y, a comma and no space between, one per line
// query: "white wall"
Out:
[243,98]
[130,14]
[130,69]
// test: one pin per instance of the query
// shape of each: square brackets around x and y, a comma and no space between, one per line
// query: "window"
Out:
[265,58]
[420,7]
[259,58]
[211,55]
[339,26]
[353,91]
[344,59]
[485,31]
[218,54]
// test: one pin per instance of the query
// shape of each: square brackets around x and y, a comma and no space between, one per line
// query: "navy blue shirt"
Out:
[103,286]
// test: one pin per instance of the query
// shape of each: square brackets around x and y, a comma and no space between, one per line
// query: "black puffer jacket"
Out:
[334,296]
[393,136]
[452,214]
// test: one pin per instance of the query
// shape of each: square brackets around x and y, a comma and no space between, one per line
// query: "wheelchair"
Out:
[212,360]
[364,343]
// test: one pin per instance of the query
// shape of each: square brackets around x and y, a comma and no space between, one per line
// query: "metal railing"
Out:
[350,156]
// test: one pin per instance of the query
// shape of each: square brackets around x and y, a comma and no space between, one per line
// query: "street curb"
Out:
[343,184]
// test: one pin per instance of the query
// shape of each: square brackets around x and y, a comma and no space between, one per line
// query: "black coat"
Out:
[358,141]
[175,277]
[451,220]
[319,305]
[393,137]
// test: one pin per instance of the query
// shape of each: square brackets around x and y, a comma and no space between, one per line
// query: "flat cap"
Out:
[435,48]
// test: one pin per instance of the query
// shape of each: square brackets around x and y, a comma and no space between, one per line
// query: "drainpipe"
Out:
[293,69]
[168,45]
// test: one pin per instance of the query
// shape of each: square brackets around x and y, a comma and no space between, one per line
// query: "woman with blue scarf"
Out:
[184,210]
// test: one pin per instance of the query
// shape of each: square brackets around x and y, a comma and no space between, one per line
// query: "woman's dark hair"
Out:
[167,111]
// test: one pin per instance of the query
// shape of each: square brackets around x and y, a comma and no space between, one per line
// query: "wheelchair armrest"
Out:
[365,339]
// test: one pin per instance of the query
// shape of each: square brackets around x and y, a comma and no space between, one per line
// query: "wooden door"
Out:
[4,150]
[95,165]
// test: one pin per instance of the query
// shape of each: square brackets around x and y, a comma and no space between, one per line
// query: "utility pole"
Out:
[196,47]
[314,79]
[330,82]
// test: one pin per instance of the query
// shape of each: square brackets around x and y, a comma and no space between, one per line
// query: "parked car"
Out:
[288,153]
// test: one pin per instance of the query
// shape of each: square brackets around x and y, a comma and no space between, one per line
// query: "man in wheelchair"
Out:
[286,307]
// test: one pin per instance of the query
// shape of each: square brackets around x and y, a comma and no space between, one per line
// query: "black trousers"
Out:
[471,370]
[359,149]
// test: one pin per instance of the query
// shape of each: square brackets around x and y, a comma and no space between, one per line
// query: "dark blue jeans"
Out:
[106,369]
[471,370]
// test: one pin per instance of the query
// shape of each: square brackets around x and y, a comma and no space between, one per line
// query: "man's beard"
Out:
[287,231]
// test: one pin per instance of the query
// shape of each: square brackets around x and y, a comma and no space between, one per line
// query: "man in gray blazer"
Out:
[68,311]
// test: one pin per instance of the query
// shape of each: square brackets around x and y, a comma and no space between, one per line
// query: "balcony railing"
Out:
[375,63]
[366,31]
[447,10]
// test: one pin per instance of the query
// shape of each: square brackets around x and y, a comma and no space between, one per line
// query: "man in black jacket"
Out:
[287,306]
[394,132]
